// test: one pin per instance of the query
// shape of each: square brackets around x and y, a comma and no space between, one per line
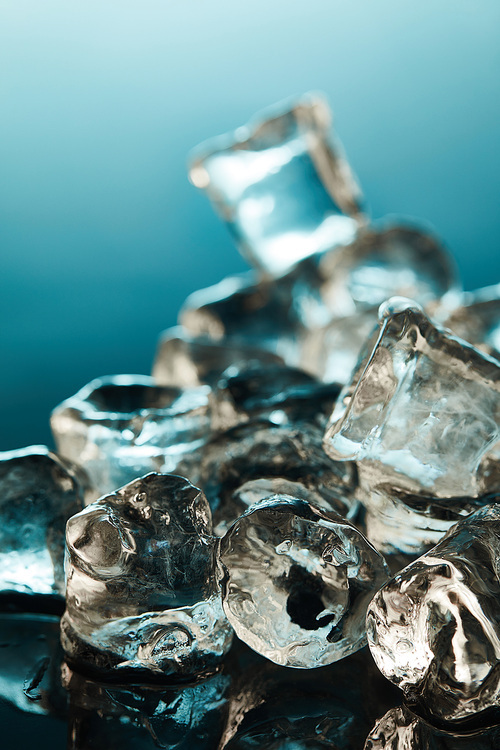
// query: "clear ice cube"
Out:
[296,582]
[422,413]
[381,262]
[398,521]
[332,351]
[282,185]
[38,493]
[265,452]
[318,315]
[187,362]
[279,393]
[242,311]
[434,629]
[141,596]
[477,319]
[386,261]
[120,427]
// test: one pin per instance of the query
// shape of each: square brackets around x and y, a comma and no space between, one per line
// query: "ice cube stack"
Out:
[338,403]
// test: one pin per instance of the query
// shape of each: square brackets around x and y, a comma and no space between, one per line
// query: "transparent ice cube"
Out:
[282,184]
[38,493]
[141,596]
[296,582]
[120,427]
[422,412]
[187,362]
[434,629]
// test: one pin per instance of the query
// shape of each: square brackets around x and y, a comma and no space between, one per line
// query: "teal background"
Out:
[102,236]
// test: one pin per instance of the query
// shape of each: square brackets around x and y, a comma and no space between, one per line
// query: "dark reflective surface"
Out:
[249,703]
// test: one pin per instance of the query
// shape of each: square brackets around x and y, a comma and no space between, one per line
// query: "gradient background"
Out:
[102,237]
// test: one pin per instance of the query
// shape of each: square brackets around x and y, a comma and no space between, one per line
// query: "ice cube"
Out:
[280,393]
[477,319]
[296,582]
[245,312]
[434,629]
[422,413]
[282,185]
[187,362]
[141,596]
[120,427]
[38,493]
[265,452]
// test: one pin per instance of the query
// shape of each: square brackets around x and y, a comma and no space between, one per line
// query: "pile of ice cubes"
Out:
[338,403]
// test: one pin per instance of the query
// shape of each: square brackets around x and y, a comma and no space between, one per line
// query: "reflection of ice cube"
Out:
[119,428]
[141,597]
[285,190]
[37,496]
[131,716]
[31,663]
[422,412]
[401,729]
[303,708]
[434,629]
